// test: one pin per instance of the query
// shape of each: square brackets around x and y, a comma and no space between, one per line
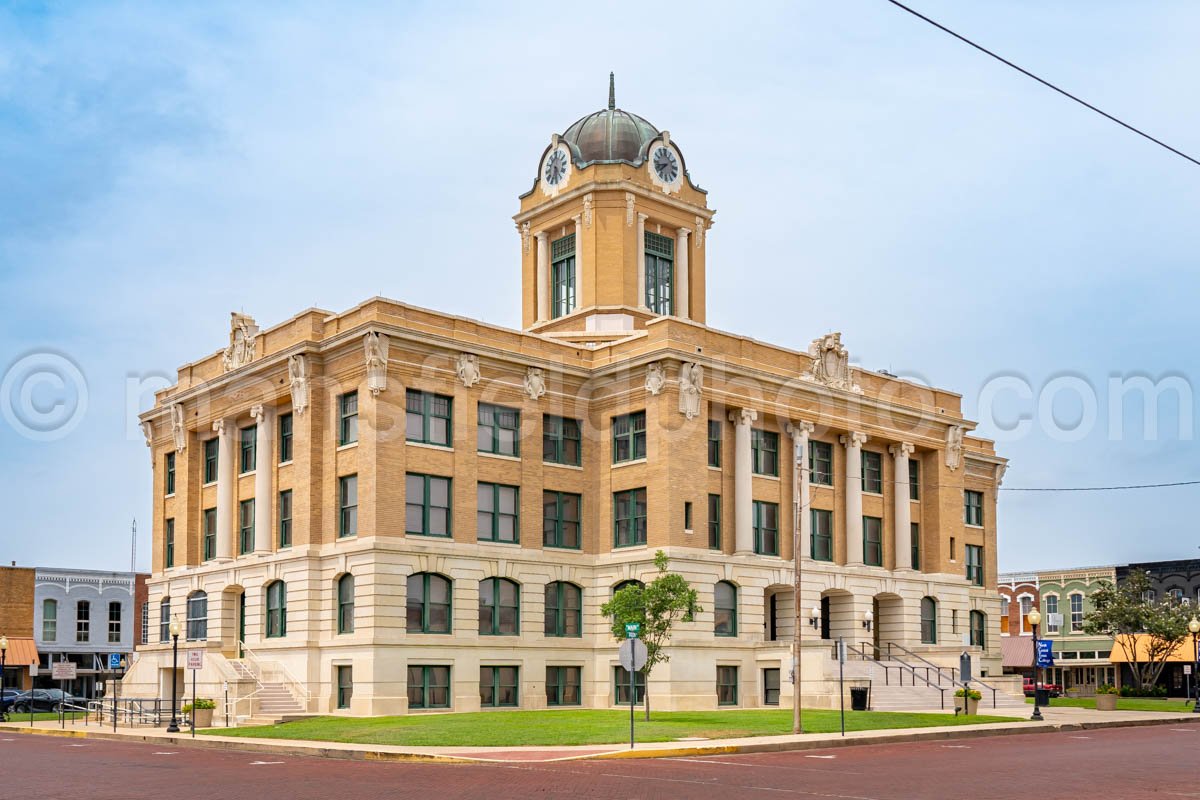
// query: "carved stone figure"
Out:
[177,427]
[1000,470]
[656,378]
[831,364]
[298,376]
[525,236]
[468,369]
[148,432]
[587,210]
[242,333]
[954,446]
[691,389]
[629,202]
[535,383]
[699,233]
[375,348]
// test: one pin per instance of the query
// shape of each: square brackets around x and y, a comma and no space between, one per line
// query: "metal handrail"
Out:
[953,680]
[900,666]
[294,685]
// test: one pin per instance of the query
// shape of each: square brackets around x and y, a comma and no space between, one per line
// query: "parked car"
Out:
[1053,688]
[7,697]
[45,700]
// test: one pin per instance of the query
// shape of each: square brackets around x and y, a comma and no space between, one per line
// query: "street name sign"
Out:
[632,629]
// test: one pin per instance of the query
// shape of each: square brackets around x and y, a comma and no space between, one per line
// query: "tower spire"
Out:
[612,92]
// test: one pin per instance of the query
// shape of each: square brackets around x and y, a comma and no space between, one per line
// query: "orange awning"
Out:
[21,652]
[1184,653]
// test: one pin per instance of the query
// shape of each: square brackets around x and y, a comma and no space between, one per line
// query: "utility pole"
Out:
[133,548]
[799,433]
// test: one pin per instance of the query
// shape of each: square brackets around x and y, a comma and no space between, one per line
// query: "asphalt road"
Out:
[1124,764]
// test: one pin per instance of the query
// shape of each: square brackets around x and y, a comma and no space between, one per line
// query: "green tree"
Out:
[657,606]
[1138,625]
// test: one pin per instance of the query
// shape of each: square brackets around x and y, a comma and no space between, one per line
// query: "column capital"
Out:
[257,412]
[541,236]
[642,217]
[219,426]
[853,439]
[902,450]
[578,220]
[682,233]
[743,416]
[801,429]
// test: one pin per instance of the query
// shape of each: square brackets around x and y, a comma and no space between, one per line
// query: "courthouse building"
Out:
[390,509]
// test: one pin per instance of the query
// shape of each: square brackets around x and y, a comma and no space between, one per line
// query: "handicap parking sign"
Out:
[114,660]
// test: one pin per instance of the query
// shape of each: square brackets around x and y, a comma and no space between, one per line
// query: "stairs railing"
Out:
[900,668]
[930,665]
[274,672]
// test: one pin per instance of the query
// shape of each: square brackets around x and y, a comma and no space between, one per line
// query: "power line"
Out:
[1042,81]
[1102,488]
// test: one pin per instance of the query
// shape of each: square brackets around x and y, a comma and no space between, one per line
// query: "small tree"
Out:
[1138,625]
[656,606]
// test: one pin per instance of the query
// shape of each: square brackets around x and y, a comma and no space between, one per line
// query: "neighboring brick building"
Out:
[16,623]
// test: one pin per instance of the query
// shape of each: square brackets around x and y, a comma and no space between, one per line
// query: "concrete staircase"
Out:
[272,702]
[893,689]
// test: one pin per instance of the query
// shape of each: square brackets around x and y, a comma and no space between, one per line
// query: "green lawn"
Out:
[521,728]
[77,716]
[1123,703]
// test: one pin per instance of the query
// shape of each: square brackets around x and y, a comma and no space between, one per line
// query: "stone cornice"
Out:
[576,195]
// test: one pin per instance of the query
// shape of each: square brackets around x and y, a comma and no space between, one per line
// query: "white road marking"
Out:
[1185,730]
[957,746]
[263,763]
[77,745]
[1080,737]
[820,756]
[164,754]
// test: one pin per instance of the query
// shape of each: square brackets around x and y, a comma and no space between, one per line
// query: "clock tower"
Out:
[612,232]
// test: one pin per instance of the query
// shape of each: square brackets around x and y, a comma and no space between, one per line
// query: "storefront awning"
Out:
[1184,652]
[21,652]
[1016,651]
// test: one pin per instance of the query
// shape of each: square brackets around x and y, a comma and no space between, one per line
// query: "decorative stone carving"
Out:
[242,333]
[525,236]
[853,439]
[629,202]
[148,432]
[256,412]
[656,378]
[535,383]
[954,446]
[467,369]
[902,450]
[1000,470]
[831,364]
[375,349]
[177,427]
[298,377]
[699,233]
[219,426]
[587,212]
[691,388]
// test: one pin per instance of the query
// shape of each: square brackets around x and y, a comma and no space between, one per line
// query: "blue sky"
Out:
[162,165]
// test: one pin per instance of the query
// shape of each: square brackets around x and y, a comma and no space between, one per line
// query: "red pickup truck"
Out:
[1053,688]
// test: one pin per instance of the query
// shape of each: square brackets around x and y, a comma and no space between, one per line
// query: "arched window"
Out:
[631,582]
[929,609]
[725,604]
[499,607]
[564,609]
[428,603]
[276,610]
[49,620]
[345,604]
[197,616]
[979,630]
[164,620]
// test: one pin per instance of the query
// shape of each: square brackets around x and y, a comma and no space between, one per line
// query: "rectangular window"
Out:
[822,535]
[621,686]
[248,438]
[561,516]
[285,518]
[972,507]
[164,620]
[1050,602]
[348,418]
[975,564]
[562,276]
[210,534]
[49,620]
[764,452]
[170,470]
[114,623]
[211,449]
[687,516]
[498,687]
[1076,612]
[715,429]
[285,438]
[629,518]
[872,472]
[347,506]
[915,534]
[169,544]
[246,527]
[145,623]
[427,505]
[496,514]
[914,479]
[629,437]
[727,686]
[766,528]
[714,522]
[660,264]
[953,549]
[428,687]
[820,456]
[429,418]
[561,440]
[83,620]
[771,686]
[499,430]
[872,541]
[345,686]
[564,686]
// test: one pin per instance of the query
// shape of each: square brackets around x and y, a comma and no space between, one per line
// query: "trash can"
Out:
[1042,697]
[858,698]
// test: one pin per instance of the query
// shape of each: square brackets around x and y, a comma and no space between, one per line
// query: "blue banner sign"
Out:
[1045,653]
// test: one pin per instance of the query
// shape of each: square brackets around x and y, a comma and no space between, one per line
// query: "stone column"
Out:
[543,275]
[226,477]
[800,431]
[264,471]
[854,524]
[743,481]
[681,273]
[578,261]
[641,261]
[903,516]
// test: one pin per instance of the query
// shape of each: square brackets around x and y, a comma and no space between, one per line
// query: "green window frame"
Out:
[429,686]
[211,451]
[499,687]
[168,544]
[246,527]
[561,440]
[429,605]
[915,541]
[872,472]
[822,535]
[764,452]
[1075,603]
[345,604]
[872,541]
[562,515]
[977,624]
[820,458]
[628,437]
[285,518]
[562,276]
[914,479]
[210,534]
[345,685]
[714,522]
[660,268]
[429,418]
[770,686]
[564,610]
[276,610]
[427,505]
[715,435]
[564,686]
[499,607]
[929,621]
[499,430]
[50,620]
[629,517]
[725,616]
[498,513]
[973,507]
[285,438]
[974,558]
[164,620]
[621,679]
[727,686]
[347,506]
[766,528]
[348,418]
[247,449]
[170,474]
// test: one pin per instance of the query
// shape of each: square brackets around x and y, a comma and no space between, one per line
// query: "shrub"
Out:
[202,704]
[1106,688]
[974,694]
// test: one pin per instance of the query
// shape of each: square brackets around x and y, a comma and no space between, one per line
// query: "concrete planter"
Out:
[1106,702]
[203,717]
[972,705]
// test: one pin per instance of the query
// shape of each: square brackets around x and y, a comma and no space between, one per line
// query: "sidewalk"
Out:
[1056,719]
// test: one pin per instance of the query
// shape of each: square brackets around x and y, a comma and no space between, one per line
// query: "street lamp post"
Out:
[174,628]
[1194,627]
[1035,619]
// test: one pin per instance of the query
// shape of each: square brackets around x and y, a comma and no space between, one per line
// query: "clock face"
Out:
[556,167]
[666,166]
